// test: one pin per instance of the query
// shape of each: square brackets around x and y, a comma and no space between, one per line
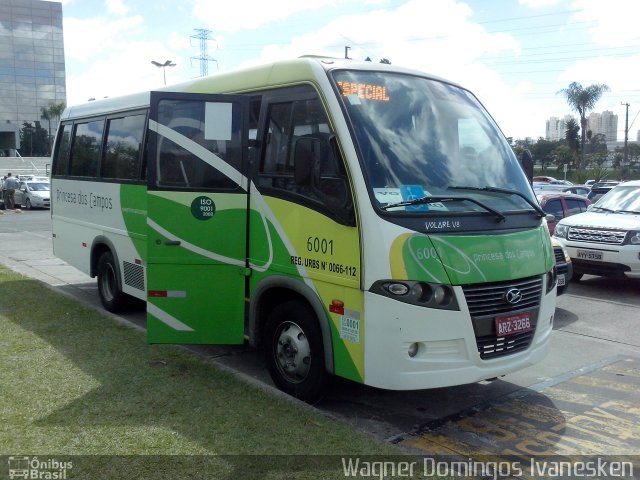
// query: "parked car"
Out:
[547,187]
[32,178]
[564,268]
[562,205]
[543,178]
[578,189]
[33,195]
[605,240]
[597,192]
[605,183]
[560,182]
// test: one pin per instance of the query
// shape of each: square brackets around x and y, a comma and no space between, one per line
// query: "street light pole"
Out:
[626,133]
[164,66]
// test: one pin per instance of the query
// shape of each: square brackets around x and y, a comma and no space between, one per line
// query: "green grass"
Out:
[74,382]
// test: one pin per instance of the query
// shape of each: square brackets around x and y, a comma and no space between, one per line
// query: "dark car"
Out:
[605,183]
[598,191]
[562,205]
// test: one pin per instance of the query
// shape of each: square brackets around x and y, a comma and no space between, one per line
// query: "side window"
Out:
[85,149]
[575,206]
[193,156]
[61,155]
[554,207]
[123,149]
[299,131]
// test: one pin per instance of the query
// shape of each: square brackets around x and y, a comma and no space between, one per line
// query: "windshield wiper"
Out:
[605,209]
[535,206]
[425,200]
[635,212]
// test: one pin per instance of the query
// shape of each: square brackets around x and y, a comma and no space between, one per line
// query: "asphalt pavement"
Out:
[588,384]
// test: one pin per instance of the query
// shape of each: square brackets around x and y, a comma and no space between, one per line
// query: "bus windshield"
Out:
[425,138]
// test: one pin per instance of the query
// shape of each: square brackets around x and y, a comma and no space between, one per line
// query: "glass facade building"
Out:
[32,69]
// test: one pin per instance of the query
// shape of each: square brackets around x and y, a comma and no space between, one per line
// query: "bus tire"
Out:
[112,298]
[294,352]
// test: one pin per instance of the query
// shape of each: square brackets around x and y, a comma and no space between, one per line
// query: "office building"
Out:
[605,123]
[32,69]
[557,127]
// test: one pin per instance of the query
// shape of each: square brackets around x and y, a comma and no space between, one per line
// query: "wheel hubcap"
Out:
[292,351]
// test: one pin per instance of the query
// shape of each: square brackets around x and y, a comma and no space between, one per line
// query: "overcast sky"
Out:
[513,54]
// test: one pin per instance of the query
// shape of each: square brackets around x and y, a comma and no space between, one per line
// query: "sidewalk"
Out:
[30,253]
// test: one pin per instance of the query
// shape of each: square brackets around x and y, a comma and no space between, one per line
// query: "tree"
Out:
[52,112]
[33,139]
[542,151]
[563,154]
[571,139]
[582,100]
[597,148]
[46,115]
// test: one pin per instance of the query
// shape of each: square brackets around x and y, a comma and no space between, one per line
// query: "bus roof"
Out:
[280,73]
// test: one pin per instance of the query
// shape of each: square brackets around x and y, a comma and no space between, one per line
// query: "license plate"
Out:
[590,254]
[561,280]
[513,324]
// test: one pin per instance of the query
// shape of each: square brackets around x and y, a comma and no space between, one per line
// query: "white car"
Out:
[605,240]
[33,195]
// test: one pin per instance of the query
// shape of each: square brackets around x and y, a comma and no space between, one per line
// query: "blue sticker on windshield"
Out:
[412,192]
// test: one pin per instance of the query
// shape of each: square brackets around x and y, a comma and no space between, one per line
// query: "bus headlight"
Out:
[398,288]
[424,294]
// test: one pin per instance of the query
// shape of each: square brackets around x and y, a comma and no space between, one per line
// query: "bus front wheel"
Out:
[112,298]
[294,352]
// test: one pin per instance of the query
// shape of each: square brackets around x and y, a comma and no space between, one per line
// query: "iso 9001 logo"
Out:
[35,468]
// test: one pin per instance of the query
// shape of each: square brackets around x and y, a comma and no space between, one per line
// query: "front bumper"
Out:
[448,348]
[612,261]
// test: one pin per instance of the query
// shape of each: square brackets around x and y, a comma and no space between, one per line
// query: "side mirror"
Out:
[550,218]
[526,162]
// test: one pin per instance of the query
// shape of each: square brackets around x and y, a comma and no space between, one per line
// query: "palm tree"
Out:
[52,112]
[582,100]
[56,109]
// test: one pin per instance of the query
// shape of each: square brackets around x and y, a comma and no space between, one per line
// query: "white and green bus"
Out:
[353,219]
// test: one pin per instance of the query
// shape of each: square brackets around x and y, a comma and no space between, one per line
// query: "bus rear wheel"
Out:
[112,298]
[294,352]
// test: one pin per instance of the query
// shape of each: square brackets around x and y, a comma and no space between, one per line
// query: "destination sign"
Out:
[364,91]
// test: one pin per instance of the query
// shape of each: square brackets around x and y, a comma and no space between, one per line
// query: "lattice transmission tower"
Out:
[203,37]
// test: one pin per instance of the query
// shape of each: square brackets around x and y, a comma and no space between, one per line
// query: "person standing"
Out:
[10,185]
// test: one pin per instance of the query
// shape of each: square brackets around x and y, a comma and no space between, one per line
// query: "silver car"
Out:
[33,194]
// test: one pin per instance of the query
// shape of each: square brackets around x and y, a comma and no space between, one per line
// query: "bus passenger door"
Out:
[197,218]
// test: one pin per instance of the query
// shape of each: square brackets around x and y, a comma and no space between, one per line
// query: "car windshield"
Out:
[38,187]
[426,138]
[620,199]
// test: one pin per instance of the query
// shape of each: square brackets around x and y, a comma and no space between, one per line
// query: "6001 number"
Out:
[320,245]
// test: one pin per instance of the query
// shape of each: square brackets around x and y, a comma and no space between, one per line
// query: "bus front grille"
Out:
[488,300]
